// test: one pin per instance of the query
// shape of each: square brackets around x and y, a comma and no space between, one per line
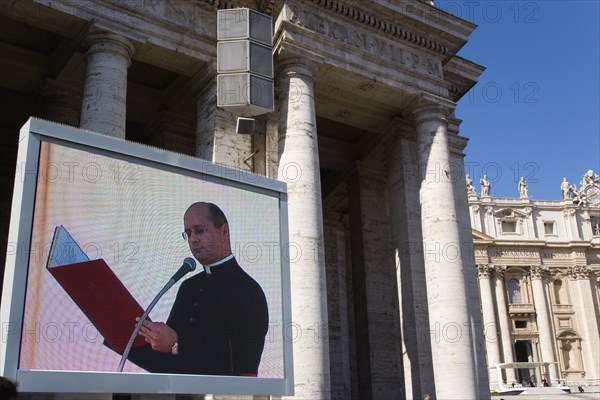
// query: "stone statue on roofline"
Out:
[523,191]
[470,188]
[486,186]
[566,189]
[589,192]
[589,178]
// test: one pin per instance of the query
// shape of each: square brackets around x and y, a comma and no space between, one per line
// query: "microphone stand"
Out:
[138,326]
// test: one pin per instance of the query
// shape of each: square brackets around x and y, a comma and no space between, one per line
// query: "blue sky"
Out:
[536,109]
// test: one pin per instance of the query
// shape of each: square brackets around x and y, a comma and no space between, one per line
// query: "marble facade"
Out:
[538,263]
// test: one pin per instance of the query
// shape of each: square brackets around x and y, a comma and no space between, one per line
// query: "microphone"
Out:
[189,265]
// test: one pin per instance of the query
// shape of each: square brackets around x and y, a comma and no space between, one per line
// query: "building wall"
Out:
[519,240]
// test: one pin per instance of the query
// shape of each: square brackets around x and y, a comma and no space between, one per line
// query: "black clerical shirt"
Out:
[221,320]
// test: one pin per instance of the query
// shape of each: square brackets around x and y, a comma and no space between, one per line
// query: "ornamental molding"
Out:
[589,192]
[558,273]
[389,42]
[484,271]
[381,25]
[512,214]
[499,270]
[537,272]
[579,272]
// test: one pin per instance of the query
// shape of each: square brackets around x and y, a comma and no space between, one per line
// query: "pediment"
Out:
[509,213]
[477,235]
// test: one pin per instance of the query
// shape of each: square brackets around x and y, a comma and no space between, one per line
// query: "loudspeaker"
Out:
[244,62]
[245,126]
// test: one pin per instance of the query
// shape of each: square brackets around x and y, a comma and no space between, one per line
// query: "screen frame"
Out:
[32,134]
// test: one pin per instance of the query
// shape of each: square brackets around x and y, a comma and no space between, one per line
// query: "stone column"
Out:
[490,223]
[467,250]
[339,345]
[61,103]
[172,131]
[453,347]
[104,95]
[374,287]
[544,323]
[216,138]
[476,217]
[299,167]
[490,329]
[405,221]
[569,218]
[583,300]
[206,111]
[504,323]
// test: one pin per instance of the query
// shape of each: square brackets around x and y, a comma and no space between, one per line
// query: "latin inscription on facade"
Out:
[550,254]
[364,41]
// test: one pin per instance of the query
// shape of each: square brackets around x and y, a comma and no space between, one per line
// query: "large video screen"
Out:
[99,227]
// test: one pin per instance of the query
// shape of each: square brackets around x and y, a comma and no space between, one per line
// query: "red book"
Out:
[97,291]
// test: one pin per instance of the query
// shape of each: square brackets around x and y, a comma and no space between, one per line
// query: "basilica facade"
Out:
[538,263]
[384,290]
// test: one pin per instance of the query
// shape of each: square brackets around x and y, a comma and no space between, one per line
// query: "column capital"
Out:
[579,272]
[499,270]
[484,271]
[429,107]
[537,272]
[294,65]
[100,41]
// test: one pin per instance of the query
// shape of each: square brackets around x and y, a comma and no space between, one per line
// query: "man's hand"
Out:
[160,336]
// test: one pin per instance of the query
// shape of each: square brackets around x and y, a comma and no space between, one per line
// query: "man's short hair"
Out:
[215,214]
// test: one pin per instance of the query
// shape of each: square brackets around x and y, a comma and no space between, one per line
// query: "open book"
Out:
[95,288]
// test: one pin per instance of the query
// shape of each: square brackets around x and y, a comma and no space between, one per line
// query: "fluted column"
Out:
[453,348]
[105,92]
[490,329]
[504,323]
[583,300]
[299,167]
[543,322]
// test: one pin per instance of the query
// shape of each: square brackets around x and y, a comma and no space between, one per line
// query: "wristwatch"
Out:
[175,349]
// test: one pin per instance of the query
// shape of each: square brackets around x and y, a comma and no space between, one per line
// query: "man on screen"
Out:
[219,320]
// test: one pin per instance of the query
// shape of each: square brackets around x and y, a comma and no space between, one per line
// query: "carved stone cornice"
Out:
[579,272]
[382,25]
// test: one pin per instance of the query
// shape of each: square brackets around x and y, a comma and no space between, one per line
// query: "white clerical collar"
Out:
[209,266]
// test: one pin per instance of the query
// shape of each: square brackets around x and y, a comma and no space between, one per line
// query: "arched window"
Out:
[514,292]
